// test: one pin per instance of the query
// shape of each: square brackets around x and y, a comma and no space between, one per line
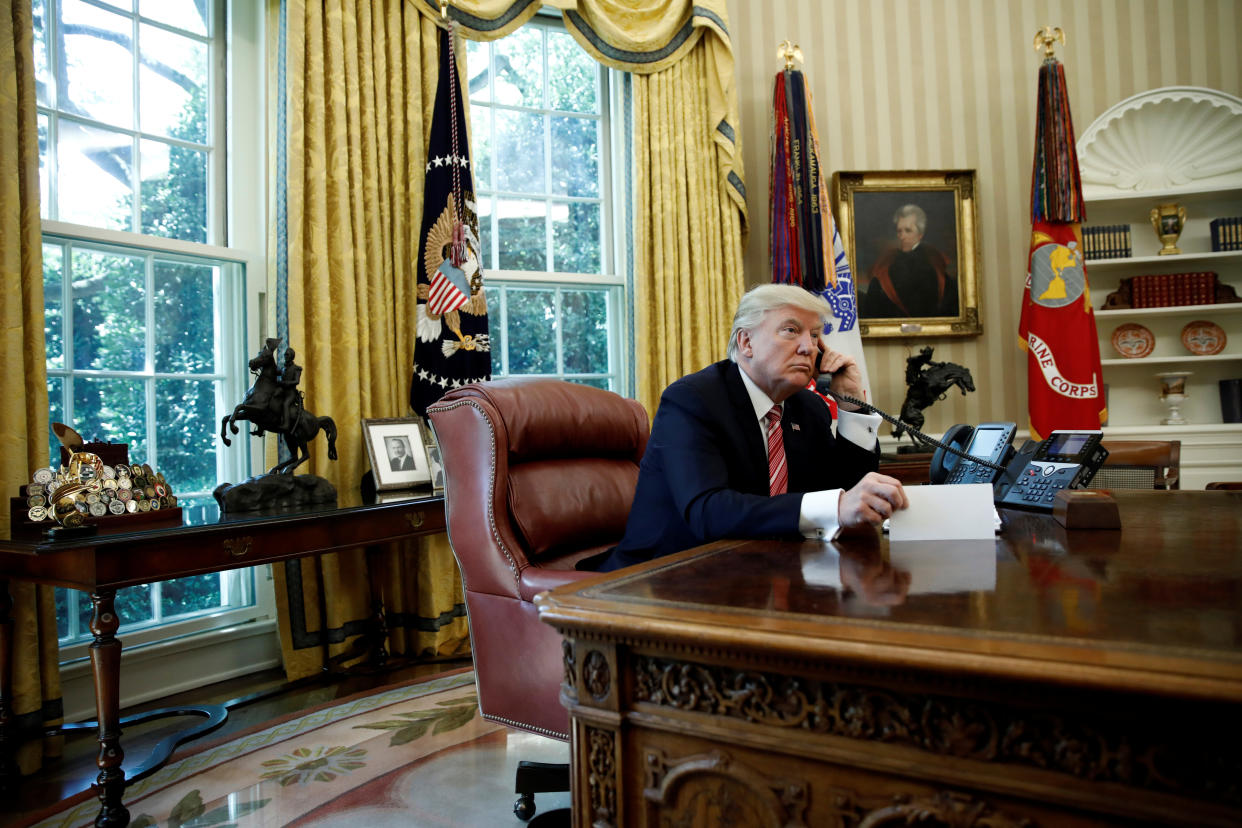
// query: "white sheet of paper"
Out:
[957,512]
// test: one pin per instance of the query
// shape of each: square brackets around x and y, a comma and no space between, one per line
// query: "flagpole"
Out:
[805,247]
[1057,328]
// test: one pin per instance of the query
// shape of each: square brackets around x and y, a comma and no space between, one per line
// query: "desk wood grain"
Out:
[1068,678]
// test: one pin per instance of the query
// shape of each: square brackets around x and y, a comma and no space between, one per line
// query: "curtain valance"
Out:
[640,36]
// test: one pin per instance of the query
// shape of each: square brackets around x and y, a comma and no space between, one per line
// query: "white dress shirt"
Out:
[817,516]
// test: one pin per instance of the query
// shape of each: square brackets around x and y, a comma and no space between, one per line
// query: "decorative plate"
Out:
[1132,341]
[1203,338]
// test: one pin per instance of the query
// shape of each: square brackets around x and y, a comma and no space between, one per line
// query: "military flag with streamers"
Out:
[452,346]
[1057,328]
[805,246]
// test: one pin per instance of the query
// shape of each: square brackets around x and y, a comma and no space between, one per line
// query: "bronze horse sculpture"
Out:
[928,381]
[274,404]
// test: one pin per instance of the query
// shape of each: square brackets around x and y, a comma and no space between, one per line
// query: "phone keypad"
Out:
[968,472]
[1038,487]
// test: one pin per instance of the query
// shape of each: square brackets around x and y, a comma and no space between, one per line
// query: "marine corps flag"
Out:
[452,346]
[805,246]
[1057,330]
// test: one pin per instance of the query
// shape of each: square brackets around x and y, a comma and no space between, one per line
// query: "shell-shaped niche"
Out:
[1177,137]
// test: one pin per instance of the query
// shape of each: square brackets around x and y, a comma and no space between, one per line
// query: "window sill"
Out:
[164,668]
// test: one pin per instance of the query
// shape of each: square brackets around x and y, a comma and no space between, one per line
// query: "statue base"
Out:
[269,491]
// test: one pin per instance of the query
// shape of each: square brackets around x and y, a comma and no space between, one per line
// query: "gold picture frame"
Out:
[873,218]
[397,450]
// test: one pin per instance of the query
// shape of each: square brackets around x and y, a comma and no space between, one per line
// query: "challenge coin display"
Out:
[85,489]
[1133,341]
[1203,338]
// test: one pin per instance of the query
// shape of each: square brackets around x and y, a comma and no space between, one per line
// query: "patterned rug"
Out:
[365,761]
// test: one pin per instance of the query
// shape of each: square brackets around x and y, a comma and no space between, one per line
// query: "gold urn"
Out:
[1168,220]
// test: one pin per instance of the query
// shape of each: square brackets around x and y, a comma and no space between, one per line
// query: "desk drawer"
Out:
[218,548]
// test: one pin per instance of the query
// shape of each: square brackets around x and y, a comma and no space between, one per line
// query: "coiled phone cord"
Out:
[867,408]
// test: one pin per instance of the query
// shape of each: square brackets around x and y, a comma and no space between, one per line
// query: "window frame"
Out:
[615,263]
[236,217]
[229,386]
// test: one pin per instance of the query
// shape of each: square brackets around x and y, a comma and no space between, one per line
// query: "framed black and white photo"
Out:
[436,466]
[397,452]
[911,241]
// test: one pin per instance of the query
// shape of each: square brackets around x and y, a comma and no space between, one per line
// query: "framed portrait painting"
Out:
[398,453]
[911,240]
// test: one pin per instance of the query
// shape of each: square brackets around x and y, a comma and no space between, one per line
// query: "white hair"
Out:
[920,217]
[760,300]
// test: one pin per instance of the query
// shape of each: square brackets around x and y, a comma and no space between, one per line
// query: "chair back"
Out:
[1140,464]
[539,473]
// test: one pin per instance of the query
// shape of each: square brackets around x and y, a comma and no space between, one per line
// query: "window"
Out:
[135,354]
[145,309]
[543,146]
[127,134]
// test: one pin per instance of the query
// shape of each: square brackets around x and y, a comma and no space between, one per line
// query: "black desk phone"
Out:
[990,442]
[1066,460]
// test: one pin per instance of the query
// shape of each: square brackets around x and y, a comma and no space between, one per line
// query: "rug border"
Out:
[216,741]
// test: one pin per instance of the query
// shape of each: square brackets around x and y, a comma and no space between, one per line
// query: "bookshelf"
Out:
[1134,157]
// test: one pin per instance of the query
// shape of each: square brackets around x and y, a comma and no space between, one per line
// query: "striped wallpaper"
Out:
[941,84]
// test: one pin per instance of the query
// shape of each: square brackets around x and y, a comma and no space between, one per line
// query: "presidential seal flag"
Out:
[452,346]
[804,245]
[1057,329]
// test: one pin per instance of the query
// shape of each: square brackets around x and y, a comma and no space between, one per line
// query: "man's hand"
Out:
[874,498]
[846,375]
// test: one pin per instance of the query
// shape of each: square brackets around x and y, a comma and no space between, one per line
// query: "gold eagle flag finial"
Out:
[789,52]
[1046,36]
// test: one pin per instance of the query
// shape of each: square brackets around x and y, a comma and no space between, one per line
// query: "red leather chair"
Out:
[1140,464]
[539,474]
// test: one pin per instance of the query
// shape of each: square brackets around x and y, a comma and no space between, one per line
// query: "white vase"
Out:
[1173,394]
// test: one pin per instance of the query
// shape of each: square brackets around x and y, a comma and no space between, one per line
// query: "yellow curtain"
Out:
[690,199]
[360,85]
[23,384]
[688,231]
[361,78]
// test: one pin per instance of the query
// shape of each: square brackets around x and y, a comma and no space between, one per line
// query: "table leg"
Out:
[379,649]
[106,666]
[9,773]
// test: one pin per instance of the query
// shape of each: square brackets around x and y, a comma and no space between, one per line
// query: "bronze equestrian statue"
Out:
[274,404]
[926,382]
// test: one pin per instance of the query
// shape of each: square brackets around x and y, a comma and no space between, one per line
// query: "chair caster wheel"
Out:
[524,807]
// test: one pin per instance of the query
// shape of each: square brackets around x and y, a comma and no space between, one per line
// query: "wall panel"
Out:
[904,84]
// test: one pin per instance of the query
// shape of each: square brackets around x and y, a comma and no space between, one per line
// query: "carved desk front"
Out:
[1044,678]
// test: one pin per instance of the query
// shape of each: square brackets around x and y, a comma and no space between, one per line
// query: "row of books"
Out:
[1106,241]
[1226,234]
[1172,289]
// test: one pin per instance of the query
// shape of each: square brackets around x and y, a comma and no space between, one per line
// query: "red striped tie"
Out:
[778,472]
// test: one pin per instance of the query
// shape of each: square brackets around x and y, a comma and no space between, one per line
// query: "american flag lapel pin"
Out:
[795,426]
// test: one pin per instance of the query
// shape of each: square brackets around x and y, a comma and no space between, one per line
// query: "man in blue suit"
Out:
[709,473]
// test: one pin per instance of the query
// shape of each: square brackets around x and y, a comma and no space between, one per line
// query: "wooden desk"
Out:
[910,469]
[1047,678]
[204,543]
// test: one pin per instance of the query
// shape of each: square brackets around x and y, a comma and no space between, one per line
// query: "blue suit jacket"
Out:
[704,475]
